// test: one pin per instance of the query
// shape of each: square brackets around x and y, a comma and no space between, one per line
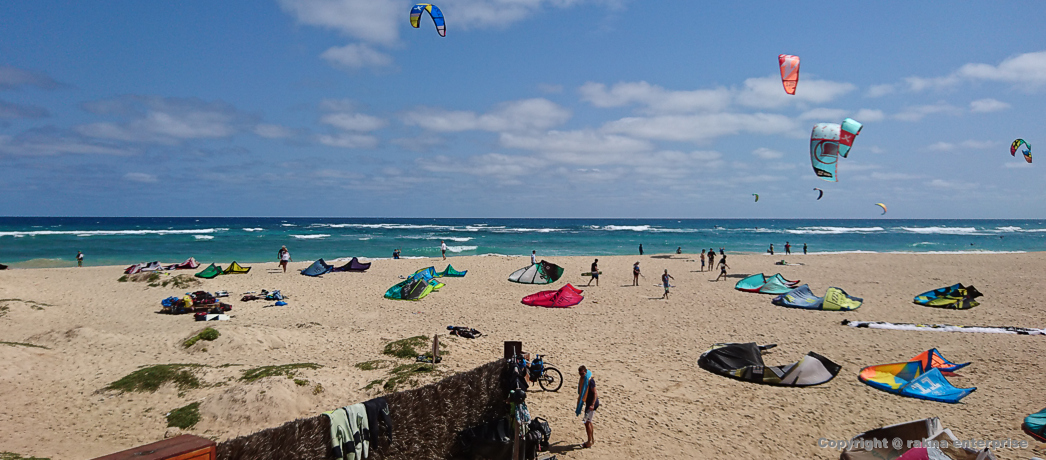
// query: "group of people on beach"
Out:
[788,248]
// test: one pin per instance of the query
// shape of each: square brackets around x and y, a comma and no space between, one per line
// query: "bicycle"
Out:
[548,377]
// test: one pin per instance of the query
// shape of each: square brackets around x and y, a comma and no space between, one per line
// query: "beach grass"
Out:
[184,417]
[409,347]
[373,364]
[405,374]
[180,282]
[287,370]
[208,334]
[151,378]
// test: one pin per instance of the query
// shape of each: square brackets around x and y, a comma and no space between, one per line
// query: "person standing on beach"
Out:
[586,393]
[664,282]
[771,248]
[804,248]
[640,248]
[635,274]
[722,269]
[702,260]
[711,260]
[533,257]
[284,256]
[79,259]
[396,253]
[595,273]
[788,248]
[721,252]
[443,248]
[679,250]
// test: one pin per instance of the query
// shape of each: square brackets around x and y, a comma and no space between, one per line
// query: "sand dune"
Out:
[656,402]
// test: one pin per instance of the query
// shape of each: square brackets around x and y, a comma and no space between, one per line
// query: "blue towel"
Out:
[583,393]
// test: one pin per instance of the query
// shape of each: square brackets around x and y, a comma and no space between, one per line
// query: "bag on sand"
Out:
[489,441]
[462,331]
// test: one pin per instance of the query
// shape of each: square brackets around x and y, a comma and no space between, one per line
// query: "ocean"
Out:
[30,242]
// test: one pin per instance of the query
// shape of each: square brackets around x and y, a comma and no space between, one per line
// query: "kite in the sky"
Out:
[789,71]
[882,206]
[1027,149]
[828,142]
[819,192]
[434,13]
[756,195]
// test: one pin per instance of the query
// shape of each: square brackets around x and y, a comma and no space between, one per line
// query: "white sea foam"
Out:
[459,239]
[614,228]
[943,230]
[288,225]
[461,248]
[924,243]
[113,232]
[526,230]
[253,229]
[1009,229]
[832,230]
[203,237]
[310,237]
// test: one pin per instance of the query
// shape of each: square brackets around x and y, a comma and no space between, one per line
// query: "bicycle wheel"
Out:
[551,379]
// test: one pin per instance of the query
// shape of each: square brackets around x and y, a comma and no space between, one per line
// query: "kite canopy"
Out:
[540,273]
[1027,150]
[236,268]
[915,379]
[956,296]
[210,272]
[354,265]
[744,361]
[566,296]
[762,284]
[829,141]
[756,195]
[450,272]
[1035,425]
[434,13]
[882,206]
[409,289]
[789,71]
[317,268]
[820,193]
[189,263]
[836,299]
[802,297]
[934,359]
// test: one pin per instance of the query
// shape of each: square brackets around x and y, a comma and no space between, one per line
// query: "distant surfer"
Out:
[804,248]
[788,248]
[679,250]
[640,248]
[396,254]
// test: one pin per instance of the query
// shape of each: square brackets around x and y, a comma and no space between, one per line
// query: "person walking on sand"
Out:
[284,256]
[588,399]
[788,248]
[595,273]
[640,248]
[79,259]
[635,274]
[804,248]
[702,260]
[722,269]
[533,257]
[443,248]
[664,282]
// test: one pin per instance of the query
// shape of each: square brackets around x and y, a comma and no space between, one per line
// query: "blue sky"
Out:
[528,108]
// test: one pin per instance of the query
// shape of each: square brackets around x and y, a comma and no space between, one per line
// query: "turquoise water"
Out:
[45,242]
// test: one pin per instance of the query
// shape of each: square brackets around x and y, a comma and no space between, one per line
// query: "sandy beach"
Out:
[656,402]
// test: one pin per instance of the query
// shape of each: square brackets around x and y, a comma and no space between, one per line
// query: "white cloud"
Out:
[916,113]
[153,119]
[51,141]
[1027,70]
[492,165]
[967,144]
[12,110]
[869,115]
[349,141]
[767,92]
[13,77]
[701,128]
[272,131]
[767,154]
[881,90]
[354,121]
[368,20]
[988,105]
[586,142]
[527,114]
[821,114]
[895,176]
[655,98]
[356,56]
[140,177]
[1016,164]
